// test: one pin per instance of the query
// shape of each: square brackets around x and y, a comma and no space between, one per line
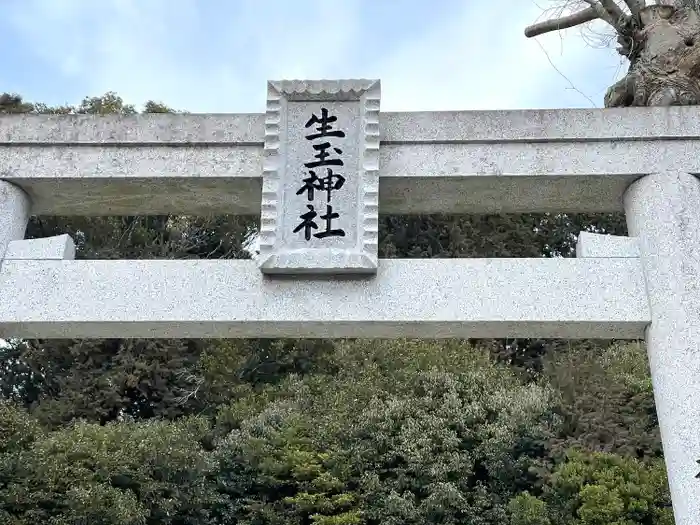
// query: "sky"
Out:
[215,56]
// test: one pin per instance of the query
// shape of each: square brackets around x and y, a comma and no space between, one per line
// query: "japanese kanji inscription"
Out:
[320,178]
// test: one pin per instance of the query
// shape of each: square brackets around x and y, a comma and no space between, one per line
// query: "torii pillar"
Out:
[663,213]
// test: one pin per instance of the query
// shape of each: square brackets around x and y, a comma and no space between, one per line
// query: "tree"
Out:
[661,41]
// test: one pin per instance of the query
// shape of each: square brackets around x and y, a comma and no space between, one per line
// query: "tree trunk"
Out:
[663,46]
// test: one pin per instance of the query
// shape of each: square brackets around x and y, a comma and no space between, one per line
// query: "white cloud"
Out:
[475,58]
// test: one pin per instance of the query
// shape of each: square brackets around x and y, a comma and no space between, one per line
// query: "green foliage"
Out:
[448,443]
[509,235]
[125,473]
[421,432]
[526,509]
[270,466]
[599,489]
[608,401]
[102,380]
[17,428]
[12,103]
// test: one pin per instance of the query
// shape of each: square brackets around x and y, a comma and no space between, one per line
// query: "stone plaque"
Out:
[320,177]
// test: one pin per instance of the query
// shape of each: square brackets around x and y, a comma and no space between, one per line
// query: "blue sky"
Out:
[216,55]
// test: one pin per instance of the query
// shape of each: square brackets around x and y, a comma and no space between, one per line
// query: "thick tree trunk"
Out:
[663,46]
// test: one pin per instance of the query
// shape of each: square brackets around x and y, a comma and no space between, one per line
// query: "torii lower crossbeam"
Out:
[436,298]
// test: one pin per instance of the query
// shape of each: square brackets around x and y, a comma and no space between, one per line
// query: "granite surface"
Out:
[663,214]
[479,298]
[14,214]
[455,161]
[319,212]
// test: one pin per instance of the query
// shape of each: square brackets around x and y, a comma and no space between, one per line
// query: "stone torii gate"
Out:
[317,167]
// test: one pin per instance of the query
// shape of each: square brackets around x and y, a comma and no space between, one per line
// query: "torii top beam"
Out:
[430,162]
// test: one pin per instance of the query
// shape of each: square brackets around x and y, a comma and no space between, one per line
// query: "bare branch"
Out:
[564,22]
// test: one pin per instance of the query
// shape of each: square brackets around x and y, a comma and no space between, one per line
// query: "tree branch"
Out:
[617,14]
[564,22]
[635,6]
[603,12]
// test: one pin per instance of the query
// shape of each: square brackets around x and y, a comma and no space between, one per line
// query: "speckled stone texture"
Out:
[559,298]
[663,213]
[320,178]
[574,160]
[58,247]
[601,245]
[14,214]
